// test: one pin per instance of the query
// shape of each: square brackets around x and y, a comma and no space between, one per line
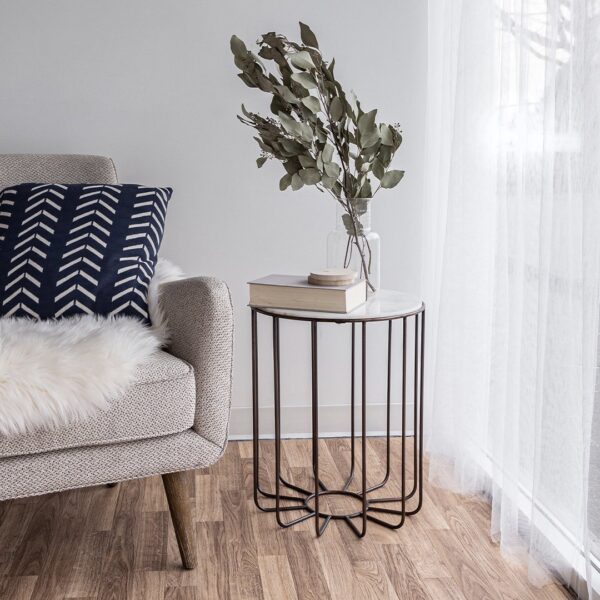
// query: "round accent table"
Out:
[388,306]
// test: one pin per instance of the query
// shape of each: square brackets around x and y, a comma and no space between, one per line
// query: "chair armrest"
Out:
[199,317]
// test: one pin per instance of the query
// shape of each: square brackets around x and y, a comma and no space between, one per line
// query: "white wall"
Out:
[152,84]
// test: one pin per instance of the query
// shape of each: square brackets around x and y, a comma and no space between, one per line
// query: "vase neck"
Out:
[361,208]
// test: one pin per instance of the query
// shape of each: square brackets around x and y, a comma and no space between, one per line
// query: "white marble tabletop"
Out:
[384,304]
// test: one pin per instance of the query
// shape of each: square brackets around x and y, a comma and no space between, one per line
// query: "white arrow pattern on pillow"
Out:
[21,290]
[7,204]
[85,248]
[146,229]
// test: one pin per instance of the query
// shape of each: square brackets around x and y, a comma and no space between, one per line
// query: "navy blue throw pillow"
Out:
[73,249]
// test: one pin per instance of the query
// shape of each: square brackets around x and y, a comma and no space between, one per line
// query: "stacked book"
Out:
[327,291]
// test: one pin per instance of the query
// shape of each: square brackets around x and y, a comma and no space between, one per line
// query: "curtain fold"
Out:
[511,277]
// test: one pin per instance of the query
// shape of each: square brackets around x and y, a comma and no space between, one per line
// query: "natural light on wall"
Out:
[512,270]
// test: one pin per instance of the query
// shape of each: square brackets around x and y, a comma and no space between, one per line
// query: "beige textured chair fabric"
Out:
[35,474]
[200,318]
[162,401]
[55,168]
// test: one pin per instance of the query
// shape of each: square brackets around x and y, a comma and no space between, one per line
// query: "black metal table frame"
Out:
[368,506]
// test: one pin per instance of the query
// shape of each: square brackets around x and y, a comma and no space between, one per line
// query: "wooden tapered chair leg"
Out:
[177,489]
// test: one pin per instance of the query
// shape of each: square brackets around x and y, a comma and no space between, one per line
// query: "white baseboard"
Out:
[334,421]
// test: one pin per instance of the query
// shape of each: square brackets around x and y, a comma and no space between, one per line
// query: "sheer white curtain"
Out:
[511,267]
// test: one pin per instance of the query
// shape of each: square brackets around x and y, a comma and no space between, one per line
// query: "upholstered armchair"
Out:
[173,419]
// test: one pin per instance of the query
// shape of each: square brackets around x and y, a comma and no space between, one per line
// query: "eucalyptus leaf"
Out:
[369,138]
[307,36]
[247,80]
[306,132]
[332,169]
[359,110]
[285,181]
[305,80]
[263,145]
[289,124]
[330,88]
[291,166]
[328,182]
[312,104]
[291,146]
[263,83]
[384,155]
[336,109]
[260,161]
[378,169]
[309,176]
[307,161]
[360,206]
[244,64]
[237,46]
[387,138]
[266,53]
[365,190]
[391,179]
[297,183]
[353,106]
[286,94]
[350,225]
[321,135]
[366,122]
[327,153]
[350,113]
[278,105]
[349,182]
[302,60]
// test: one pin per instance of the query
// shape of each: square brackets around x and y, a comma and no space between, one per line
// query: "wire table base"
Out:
[308,501]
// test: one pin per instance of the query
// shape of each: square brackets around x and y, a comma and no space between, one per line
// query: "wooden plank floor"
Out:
[119,542]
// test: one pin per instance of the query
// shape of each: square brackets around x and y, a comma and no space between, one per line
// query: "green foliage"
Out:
[321,135]
[391,179]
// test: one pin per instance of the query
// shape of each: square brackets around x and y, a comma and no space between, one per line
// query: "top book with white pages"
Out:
[294,292]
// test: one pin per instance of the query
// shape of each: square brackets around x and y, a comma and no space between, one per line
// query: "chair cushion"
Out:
[79,248]
[162,401]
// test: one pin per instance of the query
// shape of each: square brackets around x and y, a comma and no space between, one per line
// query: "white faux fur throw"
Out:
[56,372]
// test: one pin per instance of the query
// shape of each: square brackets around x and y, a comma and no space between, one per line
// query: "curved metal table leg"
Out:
[369,506]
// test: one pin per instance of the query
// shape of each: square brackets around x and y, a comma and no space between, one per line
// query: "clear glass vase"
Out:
[353,245]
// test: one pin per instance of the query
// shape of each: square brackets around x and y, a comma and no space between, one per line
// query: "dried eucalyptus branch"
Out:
[321,136]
